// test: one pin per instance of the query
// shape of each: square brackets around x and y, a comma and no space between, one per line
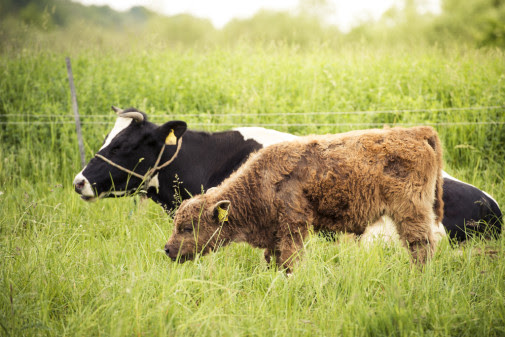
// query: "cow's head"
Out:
[133,143]
[200,226]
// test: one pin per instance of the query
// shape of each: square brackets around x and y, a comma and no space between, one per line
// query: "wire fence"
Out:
[266,114]
[280,124]
[107,119]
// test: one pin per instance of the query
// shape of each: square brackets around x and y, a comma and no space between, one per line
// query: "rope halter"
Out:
[148,176]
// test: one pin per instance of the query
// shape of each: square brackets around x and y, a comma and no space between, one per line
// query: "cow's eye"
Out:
[188,230]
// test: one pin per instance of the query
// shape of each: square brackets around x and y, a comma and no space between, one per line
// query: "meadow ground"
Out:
[75,268]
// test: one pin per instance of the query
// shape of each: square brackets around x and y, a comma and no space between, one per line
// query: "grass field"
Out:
[74,268]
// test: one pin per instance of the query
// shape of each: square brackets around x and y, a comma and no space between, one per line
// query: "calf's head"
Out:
[200,226]
[134,143]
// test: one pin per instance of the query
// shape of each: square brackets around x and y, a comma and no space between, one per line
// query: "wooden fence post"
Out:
[76,112]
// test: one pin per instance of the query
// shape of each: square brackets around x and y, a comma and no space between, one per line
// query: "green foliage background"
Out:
[474,22]
[73,268]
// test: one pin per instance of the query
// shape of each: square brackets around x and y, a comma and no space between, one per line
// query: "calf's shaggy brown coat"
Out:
[334,182]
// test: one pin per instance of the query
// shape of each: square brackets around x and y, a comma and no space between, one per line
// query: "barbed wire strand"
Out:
[278,124]
[322,113]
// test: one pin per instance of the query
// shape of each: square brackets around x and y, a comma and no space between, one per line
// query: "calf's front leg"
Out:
[289,247]
[269,252]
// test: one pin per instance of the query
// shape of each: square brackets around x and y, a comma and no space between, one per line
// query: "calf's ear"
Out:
[221,209]
[211,189]
[170,132]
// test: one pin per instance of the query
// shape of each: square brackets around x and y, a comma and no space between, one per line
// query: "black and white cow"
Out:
[206,159]
[466,206]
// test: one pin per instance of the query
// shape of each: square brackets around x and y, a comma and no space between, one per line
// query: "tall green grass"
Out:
[73,268]
[254,86]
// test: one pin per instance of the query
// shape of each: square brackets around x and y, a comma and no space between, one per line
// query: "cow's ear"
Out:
[221,209]
[170,132]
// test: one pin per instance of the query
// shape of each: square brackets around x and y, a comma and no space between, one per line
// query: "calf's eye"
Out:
[188,229]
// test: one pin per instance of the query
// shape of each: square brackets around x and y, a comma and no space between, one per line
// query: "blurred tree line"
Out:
[474,22]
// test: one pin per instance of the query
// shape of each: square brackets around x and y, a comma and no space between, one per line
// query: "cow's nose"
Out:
[167,251]
[79,185]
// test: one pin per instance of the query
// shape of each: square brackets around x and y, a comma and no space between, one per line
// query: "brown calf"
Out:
[338,182]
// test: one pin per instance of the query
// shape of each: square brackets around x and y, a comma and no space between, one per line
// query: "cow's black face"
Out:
[133,144]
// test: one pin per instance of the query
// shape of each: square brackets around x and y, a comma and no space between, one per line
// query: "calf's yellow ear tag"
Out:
[171,138]
[222,214]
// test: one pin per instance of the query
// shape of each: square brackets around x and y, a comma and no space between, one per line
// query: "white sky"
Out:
[345,12]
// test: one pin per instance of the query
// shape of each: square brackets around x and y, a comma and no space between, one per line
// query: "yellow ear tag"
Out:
[171,138]
[222,214]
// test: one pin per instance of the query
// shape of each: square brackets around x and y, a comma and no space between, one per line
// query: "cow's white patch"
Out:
[384,229]
[86,190]
[265,137]
[154,182]
[121,124]
[448,176]
[438,232]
